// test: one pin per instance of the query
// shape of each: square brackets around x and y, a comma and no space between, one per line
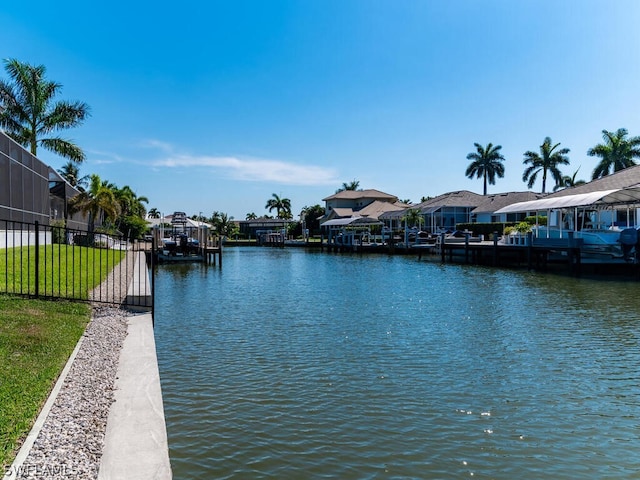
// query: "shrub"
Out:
[58,232]
[539,219]
[523,227]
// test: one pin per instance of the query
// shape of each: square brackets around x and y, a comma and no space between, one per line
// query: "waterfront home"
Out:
[602,216]
[439,213]
[259,227]
[610,201]
[486,211]
[358,203]
[350,215]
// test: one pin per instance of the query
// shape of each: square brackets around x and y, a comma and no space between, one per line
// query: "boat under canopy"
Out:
[618,196]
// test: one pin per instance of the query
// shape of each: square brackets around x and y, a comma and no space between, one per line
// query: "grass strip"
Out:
[36,340]
[67,271]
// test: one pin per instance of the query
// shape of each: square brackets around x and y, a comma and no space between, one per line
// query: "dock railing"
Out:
[51,262]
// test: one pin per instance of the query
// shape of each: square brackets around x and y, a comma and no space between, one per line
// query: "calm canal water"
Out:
[290,364]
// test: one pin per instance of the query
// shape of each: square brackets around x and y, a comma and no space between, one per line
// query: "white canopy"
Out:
[351,221]
[602,197]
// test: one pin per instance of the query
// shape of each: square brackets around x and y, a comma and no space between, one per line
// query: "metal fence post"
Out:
[153,281]
[37,266]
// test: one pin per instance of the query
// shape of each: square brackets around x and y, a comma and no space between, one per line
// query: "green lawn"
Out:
[36,339]
[64,270]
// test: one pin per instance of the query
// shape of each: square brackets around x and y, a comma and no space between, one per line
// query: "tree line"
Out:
[616,152]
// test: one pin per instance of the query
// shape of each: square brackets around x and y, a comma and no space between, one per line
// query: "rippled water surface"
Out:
[290,364]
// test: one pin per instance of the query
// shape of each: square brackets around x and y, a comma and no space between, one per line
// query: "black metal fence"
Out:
[49,261]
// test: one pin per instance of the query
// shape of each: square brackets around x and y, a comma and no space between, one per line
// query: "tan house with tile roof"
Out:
[360,203]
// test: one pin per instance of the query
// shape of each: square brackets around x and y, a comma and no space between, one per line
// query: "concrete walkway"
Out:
[136,437]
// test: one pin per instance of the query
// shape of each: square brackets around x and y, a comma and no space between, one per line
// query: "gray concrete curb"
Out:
[135,445]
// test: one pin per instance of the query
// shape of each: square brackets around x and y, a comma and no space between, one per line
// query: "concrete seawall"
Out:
[135,445]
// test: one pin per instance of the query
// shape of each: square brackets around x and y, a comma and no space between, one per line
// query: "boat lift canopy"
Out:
[599,198]
[351,222]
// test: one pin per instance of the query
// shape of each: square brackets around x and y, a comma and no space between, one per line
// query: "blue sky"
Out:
[210,105]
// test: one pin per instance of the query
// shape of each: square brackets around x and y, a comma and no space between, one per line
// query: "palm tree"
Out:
[311,218]
[71,173]
[251,216]
[225,226]
[282,206]
[97,200]
[547,161]
[413,217]
[569,181]
[29,114]
[617,152]
[487,163]
[130,202]
[353,185]
[153,213]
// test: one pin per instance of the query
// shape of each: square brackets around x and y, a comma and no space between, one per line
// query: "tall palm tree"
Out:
[251,216]
[487,163]
[282,206]
[616,153]
[153,213]
[97,200]
[71,173]
[29,114]
[546,162]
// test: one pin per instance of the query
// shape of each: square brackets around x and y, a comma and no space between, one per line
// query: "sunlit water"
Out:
[290,364]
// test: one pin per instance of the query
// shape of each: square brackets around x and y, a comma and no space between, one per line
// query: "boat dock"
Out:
[525,251]
[186,244]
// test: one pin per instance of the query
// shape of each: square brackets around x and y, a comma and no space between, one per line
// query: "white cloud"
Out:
[157,144]
[256,170]
[98,157]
